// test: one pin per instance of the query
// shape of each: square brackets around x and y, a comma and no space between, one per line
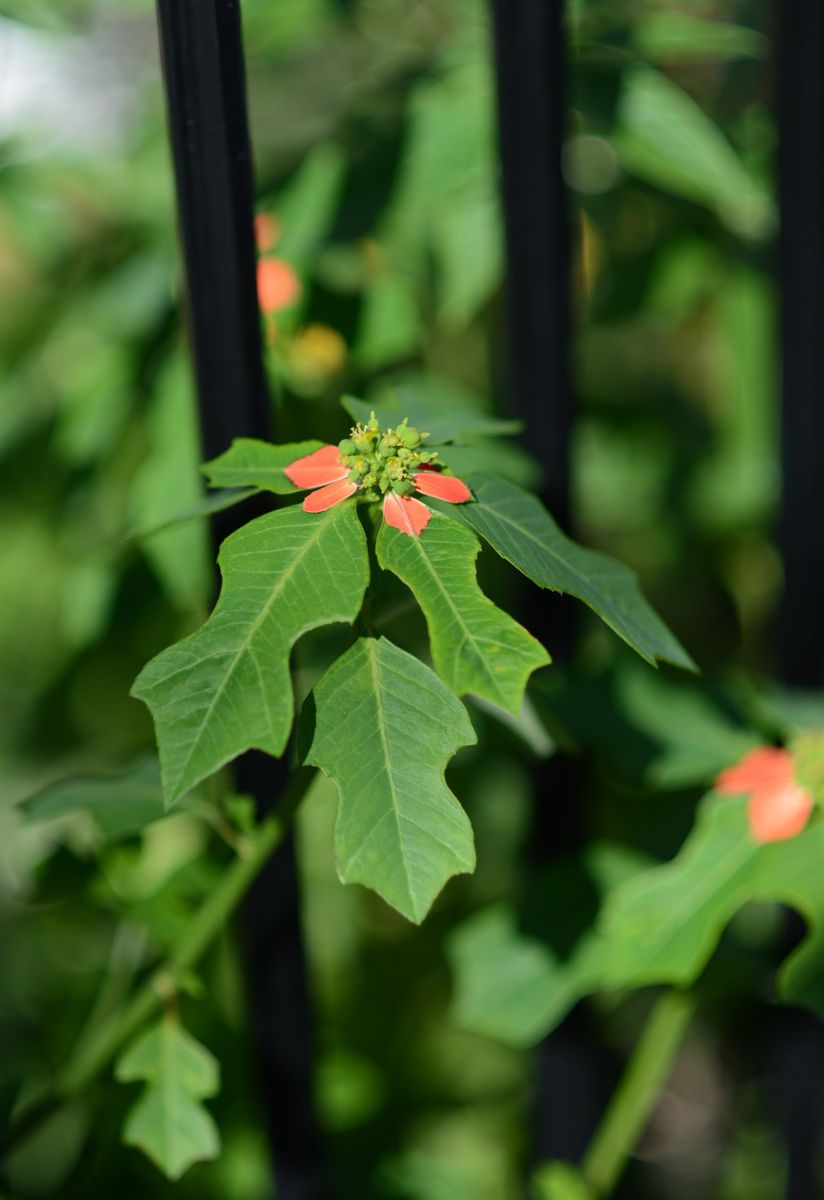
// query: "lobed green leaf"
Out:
[521,530]
[226,688]
[168,1123]
[475,646]
[385,729]
[250,463]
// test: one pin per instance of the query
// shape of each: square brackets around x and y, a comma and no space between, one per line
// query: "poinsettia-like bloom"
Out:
[778,807]
[383,466]
[278,285]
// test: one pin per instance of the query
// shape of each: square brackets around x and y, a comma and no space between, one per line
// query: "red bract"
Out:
[778,807]
[324,470]
[406,514]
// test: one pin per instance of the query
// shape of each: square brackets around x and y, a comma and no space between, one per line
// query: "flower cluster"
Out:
[381,465]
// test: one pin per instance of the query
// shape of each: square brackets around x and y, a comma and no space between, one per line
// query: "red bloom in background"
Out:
[778,807]
[278,285]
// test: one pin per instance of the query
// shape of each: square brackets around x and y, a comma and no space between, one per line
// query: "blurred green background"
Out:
[374,137]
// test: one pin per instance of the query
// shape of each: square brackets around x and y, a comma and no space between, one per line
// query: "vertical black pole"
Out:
[202,54]
[797,1049]
[801,273]
[529,61]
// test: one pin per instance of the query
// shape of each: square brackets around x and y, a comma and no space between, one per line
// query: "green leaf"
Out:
[213,502]
[670,36]
[665,138]
[662,926]
[433,410]
[226,688]
[513,985]
[249,463]
[521,530]
[385,729]
[475,646]
[168,1123]
[560,1181]
[119,805]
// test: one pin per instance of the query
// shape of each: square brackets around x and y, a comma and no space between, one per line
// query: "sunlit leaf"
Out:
[250,463]
[672,35]
[475,646]
[226,688]
[521,530]
[560,1181]
[386,727]
[168,1122]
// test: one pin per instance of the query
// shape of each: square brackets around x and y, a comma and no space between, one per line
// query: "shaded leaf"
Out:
[663,926]
[119,805]
[512,985]
[386,727]
[560,1181]
[664,137]
[475,646]
[672,35]
[426,410]
[168,1123]
[250,463]
[521,530]
[212,502]
[226,688]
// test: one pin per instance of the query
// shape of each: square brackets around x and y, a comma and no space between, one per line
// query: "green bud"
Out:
[404,454]
[403,487]
[372,423]
[384,450]
[370,480]
[410,437]
[346,447]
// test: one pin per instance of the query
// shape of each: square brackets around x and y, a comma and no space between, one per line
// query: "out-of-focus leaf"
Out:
[665,138]
[662,926]
[307,206]
[512,985]
[488,457]
[386,727]
[391,325]
[168,1122]
[521,530]
[673,35]
[427,410]
[251,463]
[168,481]
[559,1181]
[212,502]
[475,646]
[649,730]
[119,804]
[226,688]
[468,246]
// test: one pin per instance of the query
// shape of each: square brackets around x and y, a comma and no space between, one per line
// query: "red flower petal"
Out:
[329,496]
[278,285]
[776,815]
[767,766]
[442,487]
[406,514]
[314,470]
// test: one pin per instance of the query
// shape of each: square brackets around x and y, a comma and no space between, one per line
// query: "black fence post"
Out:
[532,104]
[203,69]
[797,1042]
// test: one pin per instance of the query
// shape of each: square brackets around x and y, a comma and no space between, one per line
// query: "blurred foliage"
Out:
[373,125]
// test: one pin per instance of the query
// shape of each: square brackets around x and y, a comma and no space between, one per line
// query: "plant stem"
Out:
[95,1052]
[632,1103]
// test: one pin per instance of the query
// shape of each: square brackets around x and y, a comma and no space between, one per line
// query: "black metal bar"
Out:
[529,59]
[202,54]
[801,275]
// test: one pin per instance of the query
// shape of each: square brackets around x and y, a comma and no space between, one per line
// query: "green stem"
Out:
[630,1107]
[95,1052]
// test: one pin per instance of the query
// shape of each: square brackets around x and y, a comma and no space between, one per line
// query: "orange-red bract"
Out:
[778,807]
